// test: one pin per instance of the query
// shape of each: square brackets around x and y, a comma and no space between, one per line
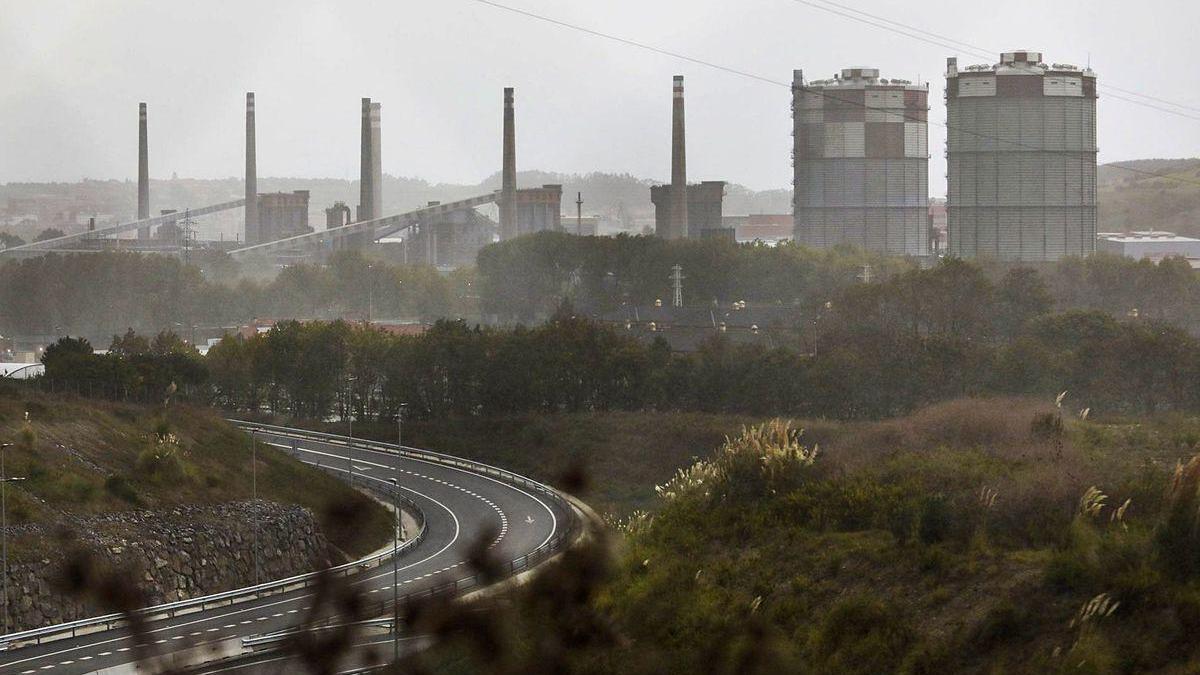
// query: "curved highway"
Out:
[460,507]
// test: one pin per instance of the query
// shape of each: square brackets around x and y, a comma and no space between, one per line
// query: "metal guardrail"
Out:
[276,637]
[169,610]
[547,549]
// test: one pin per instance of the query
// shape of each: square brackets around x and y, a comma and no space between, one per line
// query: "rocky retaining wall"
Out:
[164,555]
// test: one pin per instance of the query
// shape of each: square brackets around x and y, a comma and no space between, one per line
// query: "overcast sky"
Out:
[72,74]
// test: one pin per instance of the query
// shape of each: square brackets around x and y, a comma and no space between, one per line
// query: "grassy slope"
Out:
[885,557]
[90,457]
[1131,201]
[621,455]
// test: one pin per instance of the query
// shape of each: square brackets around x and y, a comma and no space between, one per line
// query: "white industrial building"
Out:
[1151,244]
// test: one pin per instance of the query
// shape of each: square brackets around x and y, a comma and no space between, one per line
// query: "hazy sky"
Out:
[72,74]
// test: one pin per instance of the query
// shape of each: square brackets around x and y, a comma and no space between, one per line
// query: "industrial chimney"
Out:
[679,215]
[252,231]
[366,167]
[376,165]
[508,174]
[143,173]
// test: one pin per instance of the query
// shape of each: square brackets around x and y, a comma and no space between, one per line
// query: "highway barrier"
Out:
[555,544]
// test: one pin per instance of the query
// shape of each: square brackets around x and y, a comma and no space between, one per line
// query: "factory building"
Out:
[705,204]
[282,215]
[1151,245]
[860,161]
[337,215]
[538,209]
[1021,159]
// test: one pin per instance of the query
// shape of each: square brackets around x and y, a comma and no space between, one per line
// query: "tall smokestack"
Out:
[143,173]
[508,174]
[679,214]
[376,165]
[798,142]
[252,233]
[366,167]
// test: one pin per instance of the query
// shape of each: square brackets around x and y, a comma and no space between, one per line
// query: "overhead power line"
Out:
[767,80]
[936,39]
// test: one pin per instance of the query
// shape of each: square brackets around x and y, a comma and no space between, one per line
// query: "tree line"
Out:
[524,279]
[875,350]
[103,294]
[520,281]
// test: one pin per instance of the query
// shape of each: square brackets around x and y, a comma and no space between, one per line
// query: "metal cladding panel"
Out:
[1034,236]
[854,139]
[811,116]
[1019,86]
[812,99]
[875,230]
[1062,85]
[976,86]
[986,239]
[884,140]
[1008,236]
[1033,179]
[1054,224]
[1073,232]
[875,183]
[916,140]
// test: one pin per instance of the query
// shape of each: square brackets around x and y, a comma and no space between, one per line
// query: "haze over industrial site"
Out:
[588,103]
[828,337]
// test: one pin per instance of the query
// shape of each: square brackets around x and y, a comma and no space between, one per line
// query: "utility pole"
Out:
[4,480]
[579,214]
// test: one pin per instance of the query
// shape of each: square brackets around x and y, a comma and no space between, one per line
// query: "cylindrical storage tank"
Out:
[860,161]
[1021,159]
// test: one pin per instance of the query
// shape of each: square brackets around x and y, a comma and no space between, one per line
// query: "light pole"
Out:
[399,446]
[350,411]
[370,292]
[4,480]
[254,502]
[395,571]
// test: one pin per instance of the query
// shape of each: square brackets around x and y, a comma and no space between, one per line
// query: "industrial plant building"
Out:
[860,159]
[1151,245]
[682,210]
[705,203]
[282,215]
[1021,156]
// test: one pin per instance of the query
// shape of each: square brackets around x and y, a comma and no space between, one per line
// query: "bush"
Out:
[162,460]
[120,488]
[936,520]
[861,635]
[1178,538]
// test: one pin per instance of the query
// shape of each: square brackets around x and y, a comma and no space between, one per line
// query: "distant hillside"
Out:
[621,198]
[1130,199]
[1133,197]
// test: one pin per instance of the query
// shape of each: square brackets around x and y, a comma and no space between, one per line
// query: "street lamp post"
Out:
[350,412]
[370,292]
[4,480]
[399,447]
[254,502]
[396,571]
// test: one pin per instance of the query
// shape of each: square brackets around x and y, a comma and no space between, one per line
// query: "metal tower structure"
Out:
[677,285]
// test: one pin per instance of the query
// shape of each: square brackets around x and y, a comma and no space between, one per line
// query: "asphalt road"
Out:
[460,508]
